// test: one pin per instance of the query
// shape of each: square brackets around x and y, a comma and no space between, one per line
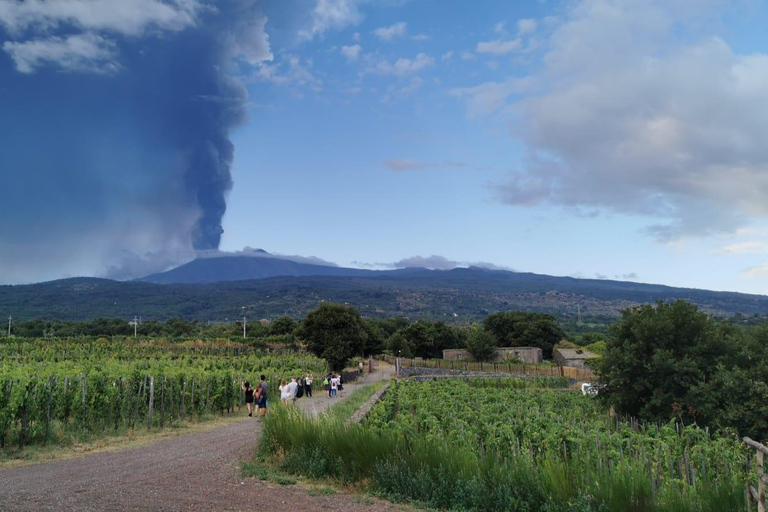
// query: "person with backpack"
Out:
[327,386]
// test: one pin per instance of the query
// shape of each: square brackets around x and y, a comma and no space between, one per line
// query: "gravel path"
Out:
[195,472]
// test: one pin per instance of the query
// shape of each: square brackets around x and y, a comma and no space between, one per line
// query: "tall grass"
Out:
[451,476]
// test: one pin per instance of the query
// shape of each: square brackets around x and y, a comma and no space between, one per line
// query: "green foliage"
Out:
[481,344]
[53,392]
[282,325]
[519,329]
[486,445]
[673,361]
[333,332]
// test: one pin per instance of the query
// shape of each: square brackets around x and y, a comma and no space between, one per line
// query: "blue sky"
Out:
[595,138]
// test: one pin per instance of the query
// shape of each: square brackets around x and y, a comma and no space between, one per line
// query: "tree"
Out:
[481,343]
[282,325]
[334,332]
[520,329]
[673,361]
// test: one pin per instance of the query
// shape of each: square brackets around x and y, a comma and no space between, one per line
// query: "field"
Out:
[490,444]
[58,392]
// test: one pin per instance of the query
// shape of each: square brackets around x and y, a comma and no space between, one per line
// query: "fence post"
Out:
[151,400]
[181,406]
[760,482]
[162,403]
[85,385]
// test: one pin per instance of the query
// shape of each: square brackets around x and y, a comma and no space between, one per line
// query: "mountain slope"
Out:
[458,295]
[241,268]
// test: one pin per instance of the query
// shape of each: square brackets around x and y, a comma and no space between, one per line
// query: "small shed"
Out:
[573,357]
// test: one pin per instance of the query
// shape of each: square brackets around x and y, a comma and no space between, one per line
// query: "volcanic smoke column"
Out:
[115,150]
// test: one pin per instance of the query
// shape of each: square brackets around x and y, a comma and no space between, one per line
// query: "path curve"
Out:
[194,472]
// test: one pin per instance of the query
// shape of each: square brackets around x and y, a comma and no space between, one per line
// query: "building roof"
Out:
[575,353]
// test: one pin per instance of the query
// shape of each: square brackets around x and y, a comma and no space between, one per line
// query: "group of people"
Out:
[256,398]
[333,385]
[290,392]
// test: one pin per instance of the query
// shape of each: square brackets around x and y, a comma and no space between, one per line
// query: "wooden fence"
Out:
[578,374]
[757,495]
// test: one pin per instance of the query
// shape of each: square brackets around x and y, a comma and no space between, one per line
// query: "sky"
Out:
[616,139]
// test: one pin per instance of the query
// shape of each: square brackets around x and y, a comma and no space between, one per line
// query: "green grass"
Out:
[347,407]
[407,466]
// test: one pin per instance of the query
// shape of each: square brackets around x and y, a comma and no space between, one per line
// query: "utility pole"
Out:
[135,325]
[9,326]
[243,308]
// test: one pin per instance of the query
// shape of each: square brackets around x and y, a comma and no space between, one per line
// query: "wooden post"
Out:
[760,482]
[181,407]
[51,384]
[85,385]
[162,404]
[151,402]
[192,397]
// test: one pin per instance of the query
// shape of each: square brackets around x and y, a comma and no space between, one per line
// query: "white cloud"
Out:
[296,74]
[251,41]
[391,32]
[406,164]
[499,28]
[404,91]
[351,52]
[498,47]
[491,96]
[467,55]
[126,17]
[356,36]
[435,262]
[746,248]
[420,37]
[447,55]
[402,66]
[633,117]
[82,52]
[526,26]
[332,15]
[95,24]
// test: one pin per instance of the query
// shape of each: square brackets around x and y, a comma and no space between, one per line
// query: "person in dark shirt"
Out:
[262,396]
[248,397]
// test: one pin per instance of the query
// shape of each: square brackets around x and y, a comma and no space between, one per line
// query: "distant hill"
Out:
[242,268]
[459,295]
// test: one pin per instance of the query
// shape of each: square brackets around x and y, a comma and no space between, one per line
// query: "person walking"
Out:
[308,385]
[246,386]
[327,385]
[285,393]
[334,386]
[261,396]
[293,390]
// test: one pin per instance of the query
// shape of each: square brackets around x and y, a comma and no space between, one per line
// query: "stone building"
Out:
[529,355]
[574,357]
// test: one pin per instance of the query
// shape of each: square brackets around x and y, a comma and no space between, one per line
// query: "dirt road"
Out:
[195,472]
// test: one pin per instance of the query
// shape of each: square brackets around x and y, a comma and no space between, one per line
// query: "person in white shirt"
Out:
[285,393]
[293,387]
[334,385]
[308,384]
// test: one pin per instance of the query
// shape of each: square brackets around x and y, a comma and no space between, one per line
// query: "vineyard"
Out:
[54,392]
[497,444]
